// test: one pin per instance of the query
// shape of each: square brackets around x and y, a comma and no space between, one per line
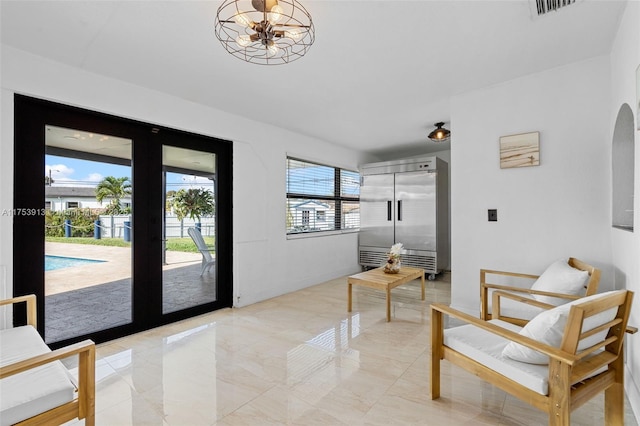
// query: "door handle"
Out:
[389,211]
[399,210]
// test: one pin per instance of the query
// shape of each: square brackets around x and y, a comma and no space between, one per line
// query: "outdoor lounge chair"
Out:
[560,360]
[562,282]
[207,259]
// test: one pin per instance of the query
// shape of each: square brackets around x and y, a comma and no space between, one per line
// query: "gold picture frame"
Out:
[521,150]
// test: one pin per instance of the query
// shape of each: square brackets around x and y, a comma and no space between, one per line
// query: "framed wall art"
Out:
[521,150]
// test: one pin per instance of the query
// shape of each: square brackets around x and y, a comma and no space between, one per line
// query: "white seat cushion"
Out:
[486,348]
[32,392]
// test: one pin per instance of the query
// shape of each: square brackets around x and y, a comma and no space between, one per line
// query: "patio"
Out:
[91,297]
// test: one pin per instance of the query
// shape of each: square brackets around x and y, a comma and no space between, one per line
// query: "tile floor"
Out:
[301,359]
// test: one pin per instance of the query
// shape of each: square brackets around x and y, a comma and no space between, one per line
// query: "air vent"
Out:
[542,7]
[376,259]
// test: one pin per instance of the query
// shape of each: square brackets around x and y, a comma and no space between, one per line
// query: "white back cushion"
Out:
[548,328]
[560,277]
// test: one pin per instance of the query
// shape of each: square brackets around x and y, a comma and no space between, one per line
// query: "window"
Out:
[321,198]
[47,205]
[72,204]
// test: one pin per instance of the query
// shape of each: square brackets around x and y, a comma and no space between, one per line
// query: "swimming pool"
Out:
[51,263]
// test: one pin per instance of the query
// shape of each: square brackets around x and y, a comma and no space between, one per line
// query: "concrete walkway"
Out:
[116,265]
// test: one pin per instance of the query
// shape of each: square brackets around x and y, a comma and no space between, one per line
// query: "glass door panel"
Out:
[87,208]
[189,276]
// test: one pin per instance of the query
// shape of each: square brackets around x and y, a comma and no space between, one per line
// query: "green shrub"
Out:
[82,222]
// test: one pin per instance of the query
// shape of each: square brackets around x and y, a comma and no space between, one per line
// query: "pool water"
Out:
[51,263]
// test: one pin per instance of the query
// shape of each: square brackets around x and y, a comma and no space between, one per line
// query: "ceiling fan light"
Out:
[294,34]
[241,24]
[272,49]
[243,40]
[276,14]
[243,20]
[262,5]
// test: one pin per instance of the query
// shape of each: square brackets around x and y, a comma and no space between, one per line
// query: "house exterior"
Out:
[312,215]
[58,198]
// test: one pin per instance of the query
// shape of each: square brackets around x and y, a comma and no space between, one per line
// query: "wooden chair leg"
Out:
[86,394]
[436,352]
[559,400]
[614,395]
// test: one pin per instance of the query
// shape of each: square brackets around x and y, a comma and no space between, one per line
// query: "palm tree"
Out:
[114,188]
[194,203]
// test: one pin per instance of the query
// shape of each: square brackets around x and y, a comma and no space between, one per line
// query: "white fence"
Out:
[114,226]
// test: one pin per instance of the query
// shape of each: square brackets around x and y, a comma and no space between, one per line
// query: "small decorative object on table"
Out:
[393,259]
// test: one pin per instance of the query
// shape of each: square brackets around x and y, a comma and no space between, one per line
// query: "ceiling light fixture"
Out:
[266,32]
[440,134]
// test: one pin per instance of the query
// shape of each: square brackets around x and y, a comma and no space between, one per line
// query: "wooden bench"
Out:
[35,387]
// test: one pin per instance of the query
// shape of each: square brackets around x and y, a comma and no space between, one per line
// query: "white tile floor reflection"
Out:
[300,359]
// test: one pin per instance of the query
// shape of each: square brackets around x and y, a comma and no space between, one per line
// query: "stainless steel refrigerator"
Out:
[405,201]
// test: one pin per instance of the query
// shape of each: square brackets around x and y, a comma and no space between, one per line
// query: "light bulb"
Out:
[243,19]
[272,50]
[243,40]
[294,34]
[276,14]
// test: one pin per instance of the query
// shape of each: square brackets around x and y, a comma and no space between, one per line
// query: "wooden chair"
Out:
[80,402]
[572,376]
[524,295]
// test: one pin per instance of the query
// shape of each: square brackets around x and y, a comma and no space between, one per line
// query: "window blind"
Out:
[321,197]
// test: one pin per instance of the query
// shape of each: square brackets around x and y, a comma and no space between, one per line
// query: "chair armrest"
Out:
[550,351]
[508,274]
[495,305]
[484,295]
[86,346]
[484,287]
[30,299]
[530,291]
[528,300]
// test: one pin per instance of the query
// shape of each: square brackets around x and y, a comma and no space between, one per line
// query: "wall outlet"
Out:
[493,215]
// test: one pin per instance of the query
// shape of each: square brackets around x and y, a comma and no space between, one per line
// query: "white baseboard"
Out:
[632,391]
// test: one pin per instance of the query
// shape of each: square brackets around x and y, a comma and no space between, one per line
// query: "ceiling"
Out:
[96,146]
[377,78]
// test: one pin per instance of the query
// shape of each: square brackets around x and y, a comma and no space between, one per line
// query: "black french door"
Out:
[149,285]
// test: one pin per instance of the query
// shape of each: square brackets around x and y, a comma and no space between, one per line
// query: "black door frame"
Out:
[31,117]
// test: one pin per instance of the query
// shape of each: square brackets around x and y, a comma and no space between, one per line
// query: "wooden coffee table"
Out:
[376,278]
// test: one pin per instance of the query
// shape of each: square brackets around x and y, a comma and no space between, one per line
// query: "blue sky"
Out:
[73,172]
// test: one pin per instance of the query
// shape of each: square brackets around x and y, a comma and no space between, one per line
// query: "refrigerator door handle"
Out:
[399,210]
[389,210]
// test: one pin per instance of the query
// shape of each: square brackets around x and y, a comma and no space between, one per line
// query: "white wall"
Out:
[625,59]
[266,264]
[558,209]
